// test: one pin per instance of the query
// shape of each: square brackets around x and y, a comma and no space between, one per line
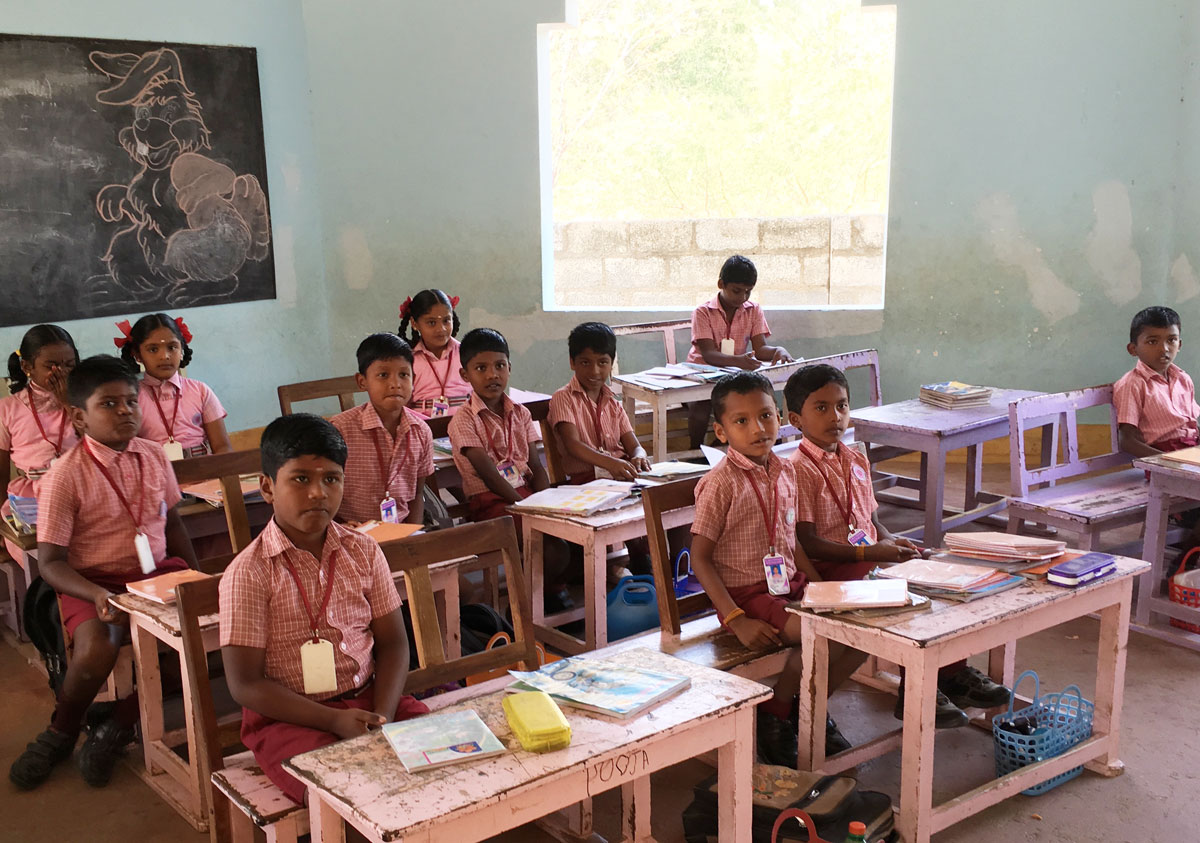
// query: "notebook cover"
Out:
[161,589]
[855,594]
[1082,565]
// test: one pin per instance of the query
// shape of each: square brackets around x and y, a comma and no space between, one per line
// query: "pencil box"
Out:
[537,721]
[1082,566]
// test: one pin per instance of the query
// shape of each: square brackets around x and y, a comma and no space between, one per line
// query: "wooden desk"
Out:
[595,534]
[18,575]
[935,432]
[925,641]
[659,396]
[1170,482]
[362,783]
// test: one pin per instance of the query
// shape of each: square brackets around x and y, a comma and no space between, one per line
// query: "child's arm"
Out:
[886,537]
[5,471]
[634,451]
[750,631]
[179,543]
[1129,440]
[769,353]
[538,479]
[815,546]
[577,448]
[805,566]
[711,352]
[489,474]
[55,570]
[218,437]
[250,688]
[391,662]
[416,506]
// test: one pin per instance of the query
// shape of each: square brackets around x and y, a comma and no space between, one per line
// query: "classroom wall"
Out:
[242,350]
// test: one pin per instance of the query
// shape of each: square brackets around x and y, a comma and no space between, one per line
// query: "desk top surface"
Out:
[915,416]
[1164,465]
[366,780]
[643,385]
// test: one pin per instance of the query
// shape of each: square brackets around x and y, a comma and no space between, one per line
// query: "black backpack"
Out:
[43,626]
[478,622]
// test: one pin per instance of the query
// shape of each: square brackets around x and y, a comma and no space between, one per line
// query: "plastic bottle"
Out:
[858,833]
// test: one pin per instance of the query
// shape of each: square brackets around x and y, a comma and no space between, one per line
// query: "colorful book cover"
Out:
[24,512]
[433,740]
[600,686]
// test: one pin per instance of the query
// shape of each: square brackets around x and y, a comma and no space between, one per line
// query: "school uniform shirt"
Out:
[262,607]
[708,323]
[78,509]
[378,464]
[1161,408]
[816,504]
[31,447]
[728,513]
[601,424]
[178,407]
[504,438]
[434,377]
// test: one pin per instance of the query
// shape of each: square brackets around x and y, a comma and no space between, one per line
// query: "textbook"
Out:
[878,617]
[1187,455]
[601,687]
[1004,545]
[161,589]
[210,492]
[954,394]
[1007,564]
[435,740]
[575,500]
[383,531]
[672,470]
[832,595]
[24,513]
[948,576]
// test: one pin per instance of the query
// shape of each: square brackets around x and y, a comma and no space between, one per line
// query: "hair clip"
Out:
[17,352]
[124,327]
[453,301]
[405,307]
[183,329]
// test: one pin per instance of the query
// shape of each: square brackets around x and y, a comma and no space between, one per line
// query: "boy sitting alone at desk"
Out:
[390,448]
[1156,400]
[745,555]
[312,635]
[730,330]
[837,520]
[106,515]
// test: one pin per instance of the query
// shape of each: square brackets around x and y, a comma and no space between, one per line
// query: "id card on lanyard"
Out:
[173,449]
[727,344]
[855,536]
[316,654]
[774,564]
[141,541]
[441,405]
[388,511]
[506,466]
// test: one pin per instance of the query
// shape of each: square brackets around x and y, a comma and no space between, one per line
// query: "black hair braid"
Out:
[17,379]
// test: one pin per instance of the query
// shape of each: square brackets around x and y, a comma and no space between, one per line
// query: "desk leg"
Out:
[660,428]
[935,495]
[532,539]
[916,776]
[814,679]
[325,825]
[1110,680]
[150,697]
[635,811]
[595,582]
[1002,663]
[923,480]
[1153,549]
[735,780]
[974,477]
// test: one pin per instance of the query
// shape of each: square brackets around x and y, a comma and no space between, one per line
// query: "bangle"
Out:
[734,615]
[860,553]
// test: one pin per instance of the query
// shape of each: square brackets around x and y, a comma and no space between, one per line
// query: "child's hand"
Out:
[105,611]
[753,633]
[747,361]
[781,356]
[640,463]
[891,550]
[57,385]
[622,469]
[352,722]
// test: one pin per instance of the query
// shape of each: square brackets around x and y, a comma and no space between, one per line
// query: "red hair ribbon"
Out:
[405,307]
[454,301]
[183,329]
[124,328]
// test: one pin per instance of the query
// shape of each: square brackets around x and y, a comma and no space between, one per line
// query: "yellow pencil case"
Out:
[537,721]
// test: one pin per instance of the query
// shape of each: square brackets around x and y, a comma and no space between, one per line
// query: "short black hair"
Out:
[92,373]
[382,346]
[740,383]
[300,435]
[147,325]
[739,269]
[592,336]
[479,340]
[1152,317]
[804,382]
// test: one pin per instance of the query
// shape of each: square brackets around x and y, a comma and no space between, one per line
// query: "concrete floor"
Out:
[1154,800]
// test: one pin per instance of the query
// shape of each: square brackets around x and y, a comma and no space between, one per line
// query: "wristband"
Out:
[860,553]
[734,615]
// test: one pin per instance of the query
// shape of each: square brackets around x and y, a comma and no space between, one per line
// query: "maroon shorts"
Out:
[761,605]
[843,570]
[488,505]
[75,610]
[274,741]
[581,477]
[1177,444]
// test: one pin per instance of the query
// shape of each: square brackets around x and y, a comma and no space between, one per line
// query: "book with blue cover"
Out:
[24,513]
[1085,568]
[601,687]
[434,740]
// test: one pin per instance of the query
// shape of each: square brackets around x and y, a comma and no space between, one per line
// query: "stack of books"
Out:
[953,395]
[210,492]
[949,580]
[587,499]
[1003,546]
[673,470]
[601,687]
[23,516]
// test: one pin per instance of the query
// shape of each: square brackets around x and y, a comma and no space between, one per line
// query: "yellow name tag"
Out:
[316,663]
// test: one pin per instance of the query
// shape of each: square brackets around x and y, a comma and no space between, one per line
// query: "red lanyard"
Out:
[174,415]
[847,511]
[508,437]
[728,324]
[595,408]
[62,430]
[314,620]
[137,525]
[762,504]
[449,365]
[385,463]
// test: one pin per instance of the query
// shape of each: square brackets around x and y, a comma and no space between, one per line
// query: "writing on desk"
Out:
[602,774]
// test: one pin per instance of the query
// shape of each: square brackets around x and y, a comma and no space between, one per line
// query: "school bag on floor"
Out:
[833,802]
[43,627]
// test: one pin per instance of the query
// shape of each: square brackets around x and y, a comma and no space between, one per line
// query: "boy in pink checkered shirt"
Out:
[1156,400]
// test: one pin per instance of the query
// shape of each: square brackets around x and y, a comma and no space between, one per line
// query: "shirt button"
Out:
[343,646]
[357,679]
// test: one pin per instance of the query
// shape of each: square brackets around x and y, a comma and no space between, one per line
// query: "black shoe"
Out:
[970,688]
[776,740]
[99,753]
[33,766]
[835,741]
[947,716]
[557,601]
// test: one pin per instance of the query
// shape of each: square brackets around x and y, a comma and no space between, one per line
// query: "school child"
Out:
[1156,400]
[35,422]
[390,447]
[106,517]
[438,385]
[312,635]
[745,555]
[730,330]
[837,520]
[180,414]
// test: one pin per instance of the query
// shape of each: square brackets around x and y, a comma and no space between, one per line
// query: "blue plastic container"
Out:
[632,607]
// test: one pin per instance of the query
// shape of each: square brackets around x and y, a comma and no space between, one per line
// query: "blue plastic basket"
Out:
[687,582]
[1063,719]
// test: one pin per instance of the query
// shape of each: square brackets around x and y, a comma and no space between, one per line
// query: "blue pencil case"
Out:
[1083,566]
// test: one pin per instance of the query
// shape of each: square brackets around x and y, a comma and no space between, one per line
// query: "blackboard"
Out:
[133,178]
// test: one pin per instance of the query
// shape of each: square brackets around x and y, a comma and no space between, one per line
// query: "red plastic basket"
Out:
[1184,595]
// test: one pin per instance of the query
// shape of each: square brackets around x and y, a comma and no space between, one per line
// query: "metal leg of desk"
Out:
[1110,680]
[735,780]
[916,777]
[1153,549]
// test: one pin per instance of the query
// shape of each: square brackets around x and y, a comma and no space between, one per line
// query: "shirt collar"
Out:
[715,304]
[576,386]
[478,406]
[106,455]
[819,452]
[175,380]
[275,541]
[451,350]
[1149,374]
[371,420]
[741,461]
[43,399]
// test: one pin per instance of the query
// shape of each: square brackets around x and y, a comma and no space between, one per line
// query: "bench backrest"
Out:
[343,388]
[863,358]
[667,329]
[657,500]
[228,469]
[1059,411]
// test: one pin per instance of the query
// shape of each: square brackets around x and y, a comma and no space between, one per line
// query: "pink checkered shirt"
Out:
[728,513]
[22,438]
[262,608]
[434,377]
[197,405]
[78,510]
[1161,408]
[409,457]
[816,505]
[504,439]
[572,405]
[708,323]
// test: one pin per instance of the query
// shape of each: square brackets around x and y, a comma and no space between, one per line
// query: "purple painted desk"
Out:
[935,432]
[1170,481]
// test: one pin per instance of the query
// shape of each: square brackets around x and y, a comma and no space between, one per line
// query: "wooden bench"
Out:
[666,329]
[344,388]
[237,781]
[228,470]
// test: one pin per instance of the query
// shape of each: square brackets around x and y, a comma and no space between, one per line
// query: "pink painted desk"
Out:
[934,432]
[18,575]
[923,642]
[361,783]
[1170,482]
